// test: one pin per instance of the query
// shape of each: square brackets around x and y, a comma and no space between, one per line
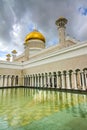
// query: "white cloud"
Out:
[18,17]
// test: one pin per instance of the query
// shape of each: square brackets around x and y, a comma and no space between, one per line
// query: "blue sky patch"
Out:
[2,53]
[30,27]
[83,10]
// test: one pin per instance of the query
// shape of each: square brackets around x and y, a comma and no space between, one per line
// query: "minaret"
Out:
[61,28]
[8,57]
[14,52]
[26,47]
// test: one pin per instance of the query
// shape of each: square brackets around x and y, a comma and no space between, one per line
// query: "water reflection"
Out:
[19,107]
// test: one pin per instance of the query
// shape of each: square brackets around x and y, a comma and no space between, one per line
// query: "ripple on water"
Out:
[3,125]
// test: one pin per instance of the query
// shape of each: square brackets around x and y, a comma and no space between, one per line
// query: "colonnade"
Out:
[70,79]
[8,80]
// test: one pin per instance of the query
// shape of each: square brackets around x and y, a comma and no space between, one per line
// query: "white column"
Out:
[52,80]
[1,81]
[85,79]
[9,80]
[48,80]
[75,87]
[57,79]
[14,81]
[63,86]
[32,80]
[68,81]
[44,80]
[5,81]
[79,80]
[29,80]
[39,80]
[72,80]
[83,85]
[41,83]
[35,80]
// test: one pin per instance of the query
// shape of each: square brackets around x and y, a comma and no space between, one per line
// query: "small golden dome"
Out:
[8,55]
[14,51]
[62,18]
[35,35]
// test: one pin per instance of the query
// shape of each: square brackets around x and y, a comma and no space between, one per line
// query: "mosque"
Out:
[62,66]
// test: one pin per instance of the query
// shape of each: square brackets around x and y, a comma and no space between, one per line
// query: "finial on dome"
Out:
[35,27]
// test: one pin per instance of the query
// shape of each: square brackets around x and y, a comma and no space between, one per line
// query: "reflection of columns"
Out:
[83,85]
[53,80]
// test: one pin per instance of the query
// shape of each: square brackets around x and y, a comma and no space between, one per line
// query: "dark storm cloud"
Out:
[17,18]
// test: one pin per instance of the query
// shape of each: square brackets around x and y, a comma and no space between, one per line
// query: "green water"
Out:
[32,109]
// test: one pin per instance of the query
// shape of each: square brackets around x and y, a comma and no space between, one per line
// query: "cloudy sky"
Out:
[18,18]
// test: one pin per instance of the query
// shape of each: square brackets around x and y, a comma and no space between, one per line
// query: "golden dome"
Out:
[34,35]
